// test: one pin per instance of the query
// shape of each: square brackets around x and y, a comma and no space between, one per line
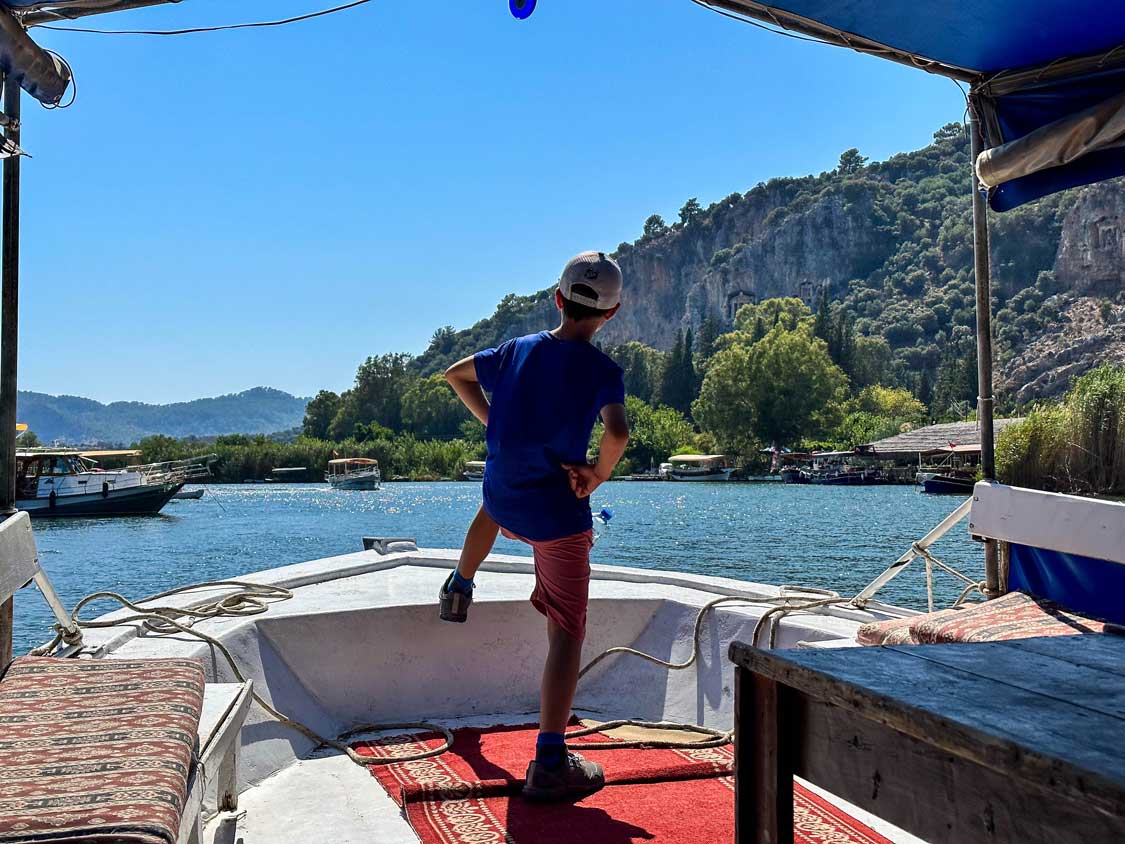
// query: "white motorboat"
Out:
[700,467]
[67,482]
[353,473]
[474,470]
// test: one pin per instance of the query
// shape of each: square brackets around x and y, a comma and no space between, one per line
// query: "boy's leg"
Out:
[456,593]
[479,540]
[560,679]
[562,582]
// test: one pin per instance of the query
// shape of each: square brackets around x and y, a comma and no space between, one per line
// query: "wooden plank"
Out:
[19,561]
[1103,653]
[767,797]
[934,795]
[1052,676]
[1016,732]
[6,612]
[1067,523]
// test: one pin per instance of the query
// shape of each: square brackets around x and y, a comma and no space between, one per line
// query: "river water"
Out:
[830,537]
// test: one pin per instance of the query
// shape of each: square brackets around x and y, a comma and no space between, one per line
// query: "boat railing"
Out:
[921,548]
[176,471]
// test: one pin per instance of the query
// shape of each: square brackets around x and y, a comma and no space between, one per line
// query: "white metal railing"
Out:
[921,549]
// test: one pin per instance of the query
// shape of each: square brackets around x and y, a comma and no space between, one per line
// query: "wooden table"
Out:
[1020,742]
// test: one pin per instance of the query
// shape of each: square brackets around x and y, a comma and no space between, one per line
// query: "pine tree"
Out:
[759,330]
[822,324]
[709,331]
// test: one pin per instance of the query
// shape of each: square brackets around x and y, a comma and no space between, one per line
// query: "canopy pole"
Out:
[985,400]
[9,339]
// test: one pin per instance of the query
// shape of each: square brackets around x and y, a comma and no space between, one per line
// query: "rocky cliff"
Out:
[892,243]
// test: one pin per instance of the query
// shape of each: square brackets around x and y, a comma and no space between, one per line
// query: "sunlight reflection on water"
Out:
[831,537]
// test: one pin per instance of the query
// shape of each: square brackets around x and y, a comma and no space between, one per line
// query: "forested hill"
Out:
[71,419]
[891,244]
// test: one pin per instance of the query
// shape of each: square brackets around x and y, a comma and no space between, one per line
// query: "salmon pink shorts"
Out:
[562,579]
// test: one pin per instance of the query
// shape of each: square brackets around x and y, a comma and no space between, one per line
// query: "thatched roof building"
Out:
[930,439]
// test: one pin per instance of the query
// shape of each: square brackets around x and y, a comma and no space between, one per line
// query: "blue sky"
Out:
[269,207]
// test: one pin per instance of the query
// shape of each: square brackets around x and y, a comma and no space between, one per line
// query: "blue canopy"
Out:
[1031,63]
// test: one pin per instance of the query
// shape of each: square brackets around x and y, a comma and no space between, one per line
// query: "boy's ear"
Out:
[558,299]
[612,312]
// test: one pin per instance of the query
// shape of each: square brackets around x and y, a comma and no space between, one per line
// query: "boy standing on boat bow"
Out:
[548,390]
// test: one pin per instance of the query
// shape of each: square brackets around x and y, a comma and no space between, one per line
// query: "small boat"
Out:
[700,467]
[353,473]
[53,482]
[474,470]
[960,483]
[189,494]
[287,475]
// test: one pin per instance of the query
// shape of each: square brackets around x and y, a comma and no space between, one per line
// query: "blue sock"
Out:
[460,584]
[550,749]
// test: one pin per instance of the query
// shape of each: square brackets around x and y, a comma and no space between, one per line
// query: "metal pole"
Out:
[985,399]
[9,338]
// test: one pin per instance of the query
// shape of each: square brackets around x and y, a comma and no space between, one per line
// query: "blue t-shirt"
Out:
[546,396]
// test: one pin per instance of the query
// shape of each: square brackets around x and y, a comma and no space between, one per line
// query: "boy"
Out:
[548,389]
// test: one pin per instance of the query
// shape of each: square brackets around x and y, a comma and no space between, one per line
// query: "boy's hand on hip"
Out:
[584,478]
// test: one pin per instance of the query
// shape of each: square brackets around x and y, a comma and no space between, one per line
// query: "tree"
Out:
[678,381]
[691,212]
[705,341]
[28,439]
[319,414]
[779,389]
[431,410]
[643,368]
[871,361]
[443,340]
[654,226]
[955,392]
[788,312]
[892,403]
[379,386]
[821,326]
[655,433]
[851,162]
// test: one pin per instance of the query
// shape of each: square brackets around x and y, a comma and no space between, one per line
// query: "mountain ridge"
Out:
[78,420]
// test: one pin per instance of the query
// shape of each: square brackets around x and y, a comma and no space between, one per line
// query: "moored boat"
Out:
[700,467]
[68,482]
[287,475]
[959,483]
[359,473]
[474,470]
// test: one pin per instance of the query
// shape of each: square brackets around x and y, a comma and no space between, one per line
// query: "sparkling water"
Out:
[829,537]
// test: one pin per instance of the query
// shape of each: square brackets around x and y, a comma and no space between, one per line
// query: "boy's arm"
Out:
[462,377]
[586,477]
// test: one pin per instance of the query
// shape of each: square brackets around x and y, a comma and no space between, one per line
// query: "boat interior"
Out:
[359,642]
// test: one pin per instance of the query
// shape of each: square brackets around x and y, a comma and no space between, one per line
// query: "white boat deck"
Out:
[360,642]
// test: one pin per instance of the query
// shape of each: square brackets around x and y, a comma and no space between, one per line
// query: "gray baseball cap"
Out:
[599,273]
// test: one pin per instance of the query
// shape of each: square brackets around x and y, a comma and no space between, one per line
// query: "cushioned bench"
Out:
[97,750]
[1016,615]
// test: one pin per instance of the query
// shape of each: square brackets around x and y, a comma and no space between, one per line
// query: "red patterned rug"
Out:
[470,795]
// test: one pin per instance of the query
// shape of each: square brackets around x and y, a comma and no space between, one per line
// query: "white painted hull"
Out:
[364,481]
[379,611]
[717,475]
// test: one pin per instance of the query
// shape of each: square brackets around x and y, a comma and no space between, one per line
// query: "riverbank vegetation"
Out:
[1076,446]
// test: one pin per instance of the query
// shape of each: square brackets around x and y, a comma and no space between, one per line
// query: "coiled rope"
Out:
[250,599]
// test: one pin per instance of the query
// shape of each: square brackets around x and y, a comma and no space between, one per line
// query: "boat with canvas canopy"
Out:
[353,473]
[700,467]
[285,687]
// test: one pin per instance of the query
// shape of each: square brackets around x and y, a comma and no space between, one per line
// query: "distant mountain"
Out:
[71,419]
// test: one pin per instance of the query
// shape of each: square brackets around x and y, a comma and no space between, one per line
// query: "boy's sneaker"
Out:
[453,606]
[573,778]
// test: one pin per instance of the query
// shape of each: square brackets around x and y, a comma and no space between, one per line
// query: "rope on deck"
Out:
[251,599]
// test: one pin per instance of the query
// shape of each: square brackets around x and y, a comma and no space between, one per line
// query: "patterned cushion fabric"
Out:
[893,631]
[1016,615]
[96,751]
